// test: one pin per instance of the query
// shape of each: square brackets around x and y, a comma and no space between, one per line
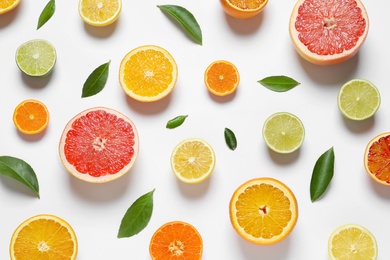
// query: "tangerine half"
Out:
[99,145]
[31,116]
[221,78]
[327,32]
[243,8]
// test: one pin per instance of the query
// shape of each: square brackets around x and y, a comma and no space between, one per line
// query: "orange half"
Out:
[148,73]
[31,116]
[243,8]
[8,5]
[263,211]
[221,78]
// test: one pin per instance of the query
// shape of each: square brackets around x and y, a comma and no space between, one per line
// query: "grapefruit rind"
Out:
[366,153]
[236,12]
[86,177]
[48,217]
[314,58]
[131,93]
[293,208]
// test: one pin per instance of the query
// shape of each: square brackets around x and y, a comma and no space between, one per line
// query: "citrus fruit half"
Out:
[148,73]
[263,211]
[377,158]
[193,160]
[358,99]
[176,240]
[221,78]
[99,145]
[283,132]
[8,5]
[352,241]
[31,116]
[328,32]
[243,8]
[100,12]
[44,236]
[36,58]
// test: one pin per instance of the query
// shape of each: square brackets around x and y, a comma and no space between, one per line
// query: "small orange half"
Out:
[8,5]
[176,240]
[221,78]
[243,8]
[31,116]
[263,211]
[377,158]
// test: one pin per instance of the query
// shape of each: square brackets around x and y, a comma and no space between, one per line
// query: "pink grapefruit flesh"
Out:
[327,32]
[99,145]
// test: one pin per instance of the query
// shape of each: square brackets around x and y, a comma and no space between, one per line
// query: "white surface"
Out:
[259,47]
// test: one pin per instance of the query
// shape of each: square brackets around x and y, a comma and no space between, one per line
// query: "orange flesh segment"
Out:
[176,241]
[99,143]
[222,77]
[329,27]
[247,4]
[51,238]
[6,3]
[145,78]
[31,116]
[378,159]
[263,216]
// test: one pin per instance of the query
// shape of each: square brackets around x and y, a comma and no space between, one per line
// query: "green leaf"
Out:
[96,81]
[322,174]
[137,216]
[46,13]
[230,139]
[185,19]
[279,83]
[175,122]
[19,170]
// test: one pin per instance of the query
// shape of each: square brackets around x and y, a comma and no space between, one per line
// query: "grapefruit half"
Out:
[327,32]
[99,145]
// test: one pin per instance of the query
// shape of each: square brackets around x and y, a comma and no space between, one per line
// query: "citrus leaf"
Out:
[279,83]
[175,122]
[19,170]
[96,81]
[137,216]
[322,174]
[230,139]
[185,19]
[46,13]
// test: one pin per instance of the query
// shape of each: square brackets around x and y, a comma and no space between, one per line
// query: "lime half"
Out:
[36,57]
[358,99]
[283,132]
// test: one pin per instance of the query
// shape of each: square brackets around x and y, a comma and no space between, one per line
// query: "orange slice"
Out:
[221,78]
[8,5]
[148,73]
[44,237]
[377,158]
[176,240]
[263,211]
[243,8]
[100,12]
[31,116]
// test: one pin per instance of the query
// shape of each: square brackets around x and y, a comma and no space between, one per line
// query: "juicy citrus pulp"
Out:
[352,241]
[221,78]
[192,160]
[243,8]
[148,73]
[8,5]
[358,99]
[44,237]
[328,31]
[283,132]
[263,211]
[100,12]
[99,145]
[377,158]
[36,57]
[176,240]
[31,116]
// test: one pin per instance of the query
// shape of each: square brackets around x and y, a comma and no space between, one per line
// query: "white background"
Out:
[259,47]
